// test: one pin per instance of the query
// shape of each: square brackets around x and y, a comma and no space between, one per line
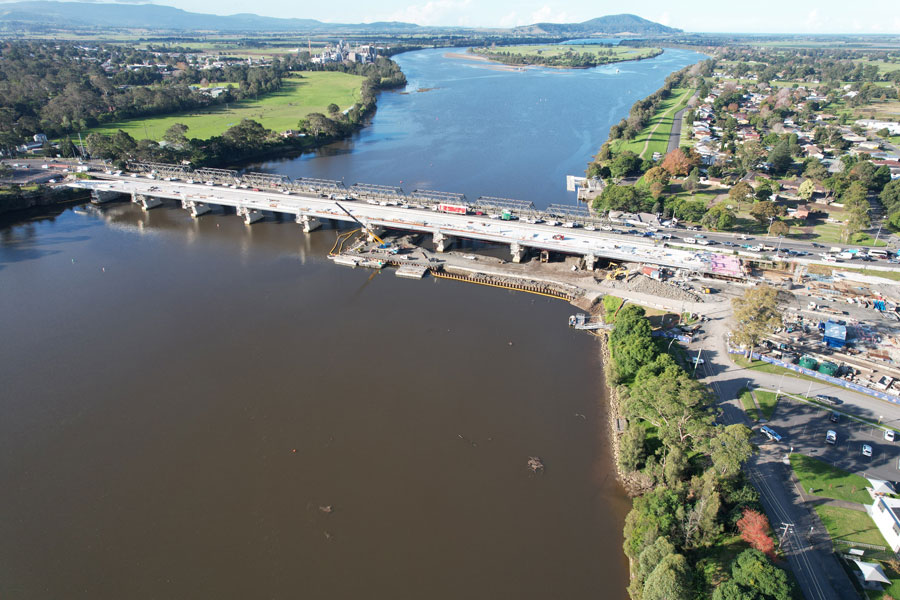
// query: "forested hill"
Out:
[610,24]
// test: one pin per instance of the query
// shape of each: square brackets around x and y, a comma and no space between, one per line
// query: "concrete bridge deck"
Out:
[308,209]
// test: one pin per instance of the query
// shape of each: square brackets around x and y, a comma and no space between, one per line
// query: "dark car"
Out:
[834,417]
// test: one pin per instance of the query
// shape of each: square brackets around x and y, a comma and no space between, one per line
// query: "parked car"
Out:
[828,399]
[834,417]
[889,435]
[831,437]
[770,433]
[867,450]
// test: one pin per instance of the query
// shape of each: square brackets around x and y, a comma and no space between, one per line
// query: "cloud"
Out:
[545,14]
[435,12]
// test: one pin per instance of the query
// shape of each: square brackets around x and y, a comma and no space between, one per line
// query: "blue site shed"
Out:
[835,335]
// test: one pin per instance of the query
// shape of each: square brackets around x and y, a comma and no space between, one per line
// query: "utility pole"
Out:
[875,243]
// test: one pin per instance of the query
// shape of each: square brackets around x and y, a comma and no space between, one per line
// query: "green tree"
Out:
[755,315]
[657,174]
[751,569]
[671,579]
[333,109]
[622,197]
[729,448]
[719,217]
[625,164]
[779,228]
[740,192]
[176,134]
[732,590]
[890,195]
[648,560]
[780,157]
[763,211]
[814,169]
[693,180]
[806,190]
[652,515]
[631,447]
[673,402]
[856,204]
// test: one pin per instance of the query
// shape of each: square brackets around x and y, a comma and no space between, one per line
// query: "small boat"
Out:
[535,464]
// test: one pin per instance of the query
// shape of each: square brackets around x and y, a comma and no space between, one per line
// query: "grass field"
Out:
[850,525]
[611,304]
[655,136]
[748,404]
[279,111]
[829,482]
[619,53]
[767,402]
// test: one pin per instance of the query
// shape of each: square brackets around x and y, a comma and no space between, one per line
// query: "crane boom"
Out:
[361,224]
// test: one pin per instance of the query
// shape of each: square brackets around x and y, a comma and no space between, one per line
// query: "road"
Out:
[805,543]
[675,135]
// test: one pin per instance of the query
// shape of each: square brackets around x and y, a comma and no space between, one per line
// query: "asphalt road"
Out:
[805,542]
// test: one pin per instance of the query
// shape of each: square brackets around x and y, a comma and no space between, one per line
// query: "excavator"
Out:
[616,273]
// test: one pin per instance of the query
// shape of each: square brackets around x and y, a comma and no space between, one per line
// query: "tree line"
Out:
[248,138]
[570,58]
[686,471]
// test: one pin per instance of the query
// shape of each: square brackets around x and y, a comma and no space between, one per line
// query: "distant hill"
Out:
[610,24]
[152,16]
[95,15]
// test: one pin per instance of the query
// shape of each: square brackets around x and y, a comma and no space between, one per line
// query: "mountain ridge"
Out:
[53,13]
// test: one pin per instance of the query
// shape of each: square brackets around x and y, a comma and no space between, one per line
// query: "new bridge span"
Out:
[407,214]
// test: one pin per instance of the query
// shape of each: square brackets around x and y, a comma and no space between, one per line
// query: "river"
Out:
[204,409]
[482,129]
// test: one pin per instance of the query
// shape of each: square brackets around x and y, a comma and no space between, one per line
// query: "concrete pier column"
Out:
[309,223]
[519,252]
[148,202]
[252,216]
[376,230]
[199,208]
[589,261]
[442,242]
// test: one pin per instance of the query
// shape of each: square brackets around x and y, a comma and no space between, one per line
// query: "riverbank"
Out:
[14,199]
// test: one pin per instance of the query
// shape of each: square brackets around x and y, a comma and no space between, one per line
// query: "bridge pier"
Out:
[250,215]
[309,223]
[376,230]
[102,197]
[442,242]
[518,252]
[146,202]
[589,261]
[196,208]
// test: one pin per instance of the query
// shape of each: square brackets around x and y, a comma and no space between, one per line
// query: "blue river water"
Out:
[483,129]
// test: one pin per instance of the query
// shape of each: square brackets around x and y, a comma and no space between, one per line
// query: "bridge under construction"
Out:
[566,229]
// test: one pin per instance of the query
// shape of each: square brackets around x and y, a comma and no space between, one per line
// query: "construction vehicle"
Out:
[707,291]
[617,273]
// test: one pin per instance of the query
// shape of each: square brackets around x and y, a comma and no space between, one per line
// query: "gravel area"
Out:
[645,285]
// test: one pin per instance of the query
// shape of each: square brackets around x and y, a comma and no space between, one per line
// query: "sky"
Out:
[758,16]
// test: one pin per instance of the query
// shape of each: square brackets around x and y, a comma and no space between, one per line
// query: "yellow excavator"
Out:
[616,273]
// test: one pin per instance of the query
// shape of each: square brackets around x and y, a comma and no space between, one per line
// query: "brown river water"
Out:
[181,399]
